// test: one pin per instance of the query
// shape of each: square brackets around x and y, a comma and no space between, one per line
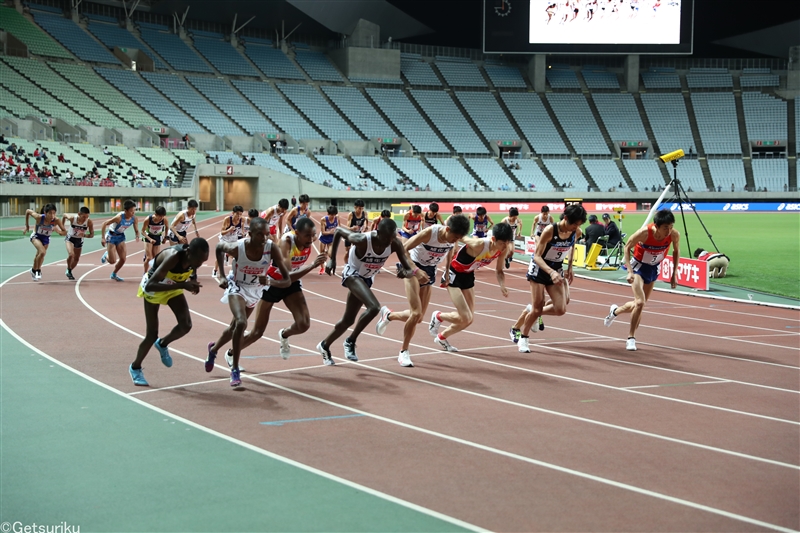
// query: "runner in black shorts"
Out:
[356,222]
[80,227]
[154,233]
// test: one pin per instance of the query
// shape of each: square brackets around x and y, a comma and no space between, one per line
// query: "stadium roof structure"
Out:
[774,41]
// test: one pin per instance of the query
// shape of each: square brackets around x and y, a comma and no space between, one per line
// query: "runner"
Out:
[327,227]
[367,256]
[114,241]
[173,270]
[251,214]
[230,231]
[181,223]
[650,245]
[461,281]
[154,230]
[274,217]
[432,216]
[427,249]
[356,222]
[412,221]
[301,211]
[482,223]
[248,277]
[512,220]
[80,227]
[45,224]
[545,273]
[458,211]
[384,214]
[541,221]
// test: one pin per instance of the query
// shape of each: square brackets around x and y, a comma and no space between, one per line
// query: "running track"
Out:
[697,431]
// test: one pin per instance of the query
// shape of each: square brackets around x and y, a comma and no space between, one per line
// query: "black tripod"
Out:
[679,195]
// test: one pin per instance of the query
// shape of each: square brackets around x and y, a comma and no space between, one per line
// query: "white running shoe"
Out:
[611,316]
[528,308]
[404,358]
[383,320]
[285,349]
[630,345]
[433,325]
[444,344]
[229,359]
[33,275]
[326,354]
[522,345]
[350,350]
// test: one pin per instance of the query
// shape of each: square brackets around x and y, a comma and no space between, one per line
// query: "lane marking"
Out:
[678,384]
[282,422]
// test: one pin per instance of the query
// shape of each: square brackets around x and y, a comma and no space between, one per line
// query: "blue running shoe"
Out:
[211,357]
[138,377]
[165,357]
[115,277]
[236,380]
[104,259]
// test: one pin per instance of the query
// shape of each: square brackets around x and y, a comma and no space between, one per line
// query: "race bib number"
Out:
[649,258]
[555,254]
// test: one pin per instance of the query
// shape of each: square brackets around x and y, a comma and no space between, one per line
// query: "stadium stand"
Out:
[765,117]
[759,77]
[311,103]
[661,79]
[174,51]
[14,106]
[317,66]
[14,82]
[112,35]
[644,173]
[491,173]
[223,56]
[445,115]
[74,38]
[379,170]
[310,170]
[454,172]
[418,72]
[396,105]
[358,110]
[669,121]
[272,104]
[797,127]
[415,170]
[192,103]
[566,171]
[717,122]
[531,176]
[620,116]
[232,104]
[690,175]
[709,78]
[531,116]
[461,73]
[771,173]
[575,116]
[341,168]
[487,114]
[599,78]
[143,94]
[272,62]
[505,77]
[268,161]
[727,171]
[562,78]
[605,174]
[225,157]
[38,42]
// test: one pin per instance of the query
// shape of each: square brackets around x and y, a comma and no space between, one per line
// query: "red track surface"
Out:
[696,431]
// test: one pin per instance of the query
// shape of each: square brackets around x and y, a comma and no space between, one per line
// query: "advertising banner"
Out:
[529,207]
[691,273]
[733,207]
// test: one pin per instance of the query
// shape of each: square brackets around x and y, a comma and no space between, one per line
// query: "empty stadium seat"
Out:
[669,121]
[487,114]
[271,103]
[319,111]
[74,38]
[360,112]
[454,172]
[272,62]
[442,111]
[505,77]
[566,171]
[232,104]
[174,51]
[765,117]
[532,118]
[575,116]
[461,74]
[531,176]
[318,66]
[36,40]
[223,56]
[771,173]
[396,105]
[717,122]
[112,35]
[644,173]
[415,170]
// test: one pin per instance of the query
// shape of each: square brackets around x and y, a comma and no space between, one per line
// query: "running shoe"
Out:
[444,344]
[38,274]
[285,349]
[164,352]
[350,350]
[611,316]
[69,275]
[214,273]
[236,379]
[508,263]
[229,360]
[522,345]
[115,277]
[212,356]
[33,275]
[404,359]
[138,377]
[327,358]
[514,334]
[104,259]
[433,326]
[541,324]
[630,344]
[443,283]
[383,320]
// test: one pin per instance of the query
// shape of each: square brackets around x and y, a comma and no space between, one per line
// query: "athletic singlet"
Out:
[413,224]
[367,266]
[480,226]
[244,271]
[514,226]
[44,230]
[245,229]
[329,224]
[176,274]
[297,215]
[358,221]
[463,262]
[651,252]
[234,235]
[182,226]
[155,228]
[432,252]
[429,221]
[555,251]
[78,230]
[118,228]
[297,257]
[274,219]
[543,223]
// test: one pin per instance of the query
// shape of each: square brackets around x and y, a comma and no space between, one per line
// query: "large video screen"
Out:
[588,26]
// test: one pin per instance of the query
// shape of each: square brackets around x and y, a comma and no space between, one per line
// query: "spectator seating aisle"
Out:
[532,118]
[192,103]
[21,87]
[669,121]
[716,120]
[529,174]
[491,173]
[461,73]
[37,41]
[67,92]
[605,174]
[319,111]
[74,38]
[727,171]
[310,170]
[147,97]
[442,111]
[505,77]
[360,112]
[419,173]
[454,172]
[317,66]
[620,116]
[272,104]
[232,104]
[487,114]
[112,35]
[396,105]
[771,173]
[268,161]
[224,57]
[272,62]
[419,72]
[575,116]
[378,169]
[645,173]
[765,117]
[174,51]
[566,171]
[342,168]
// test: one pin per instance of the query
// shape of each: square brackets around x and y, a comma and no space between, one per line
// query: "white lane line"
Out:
[678,384]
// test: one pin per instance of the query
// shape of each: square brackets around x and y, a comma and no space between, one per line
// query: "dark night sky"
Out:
[458,22]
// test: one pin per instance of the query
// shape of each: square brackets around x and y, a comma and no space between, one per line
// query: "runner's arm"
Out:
[155,283]
[106,224]
[90,228]
[499,271]
[60,227]
[194,223]
[136,228]
[439,219]
[224,247]
[676,257]
[491,222]
[639,236]
[145,227]
[419,238]
[28,213]
[409,268]
[278,261]
[338,235]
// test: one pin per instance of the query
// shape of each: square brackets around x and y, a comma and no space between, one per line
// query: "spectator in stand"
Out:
[252,160]
[216,158]
[733,187]
[293,201]
[785,187]
[3,139]
[105,151]
[186,140]
[611,229]
[61,158]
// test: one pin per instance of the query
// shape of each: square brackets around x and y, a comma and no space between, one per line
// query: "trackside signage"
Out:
[691,272]
[529,207]
[733,207]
